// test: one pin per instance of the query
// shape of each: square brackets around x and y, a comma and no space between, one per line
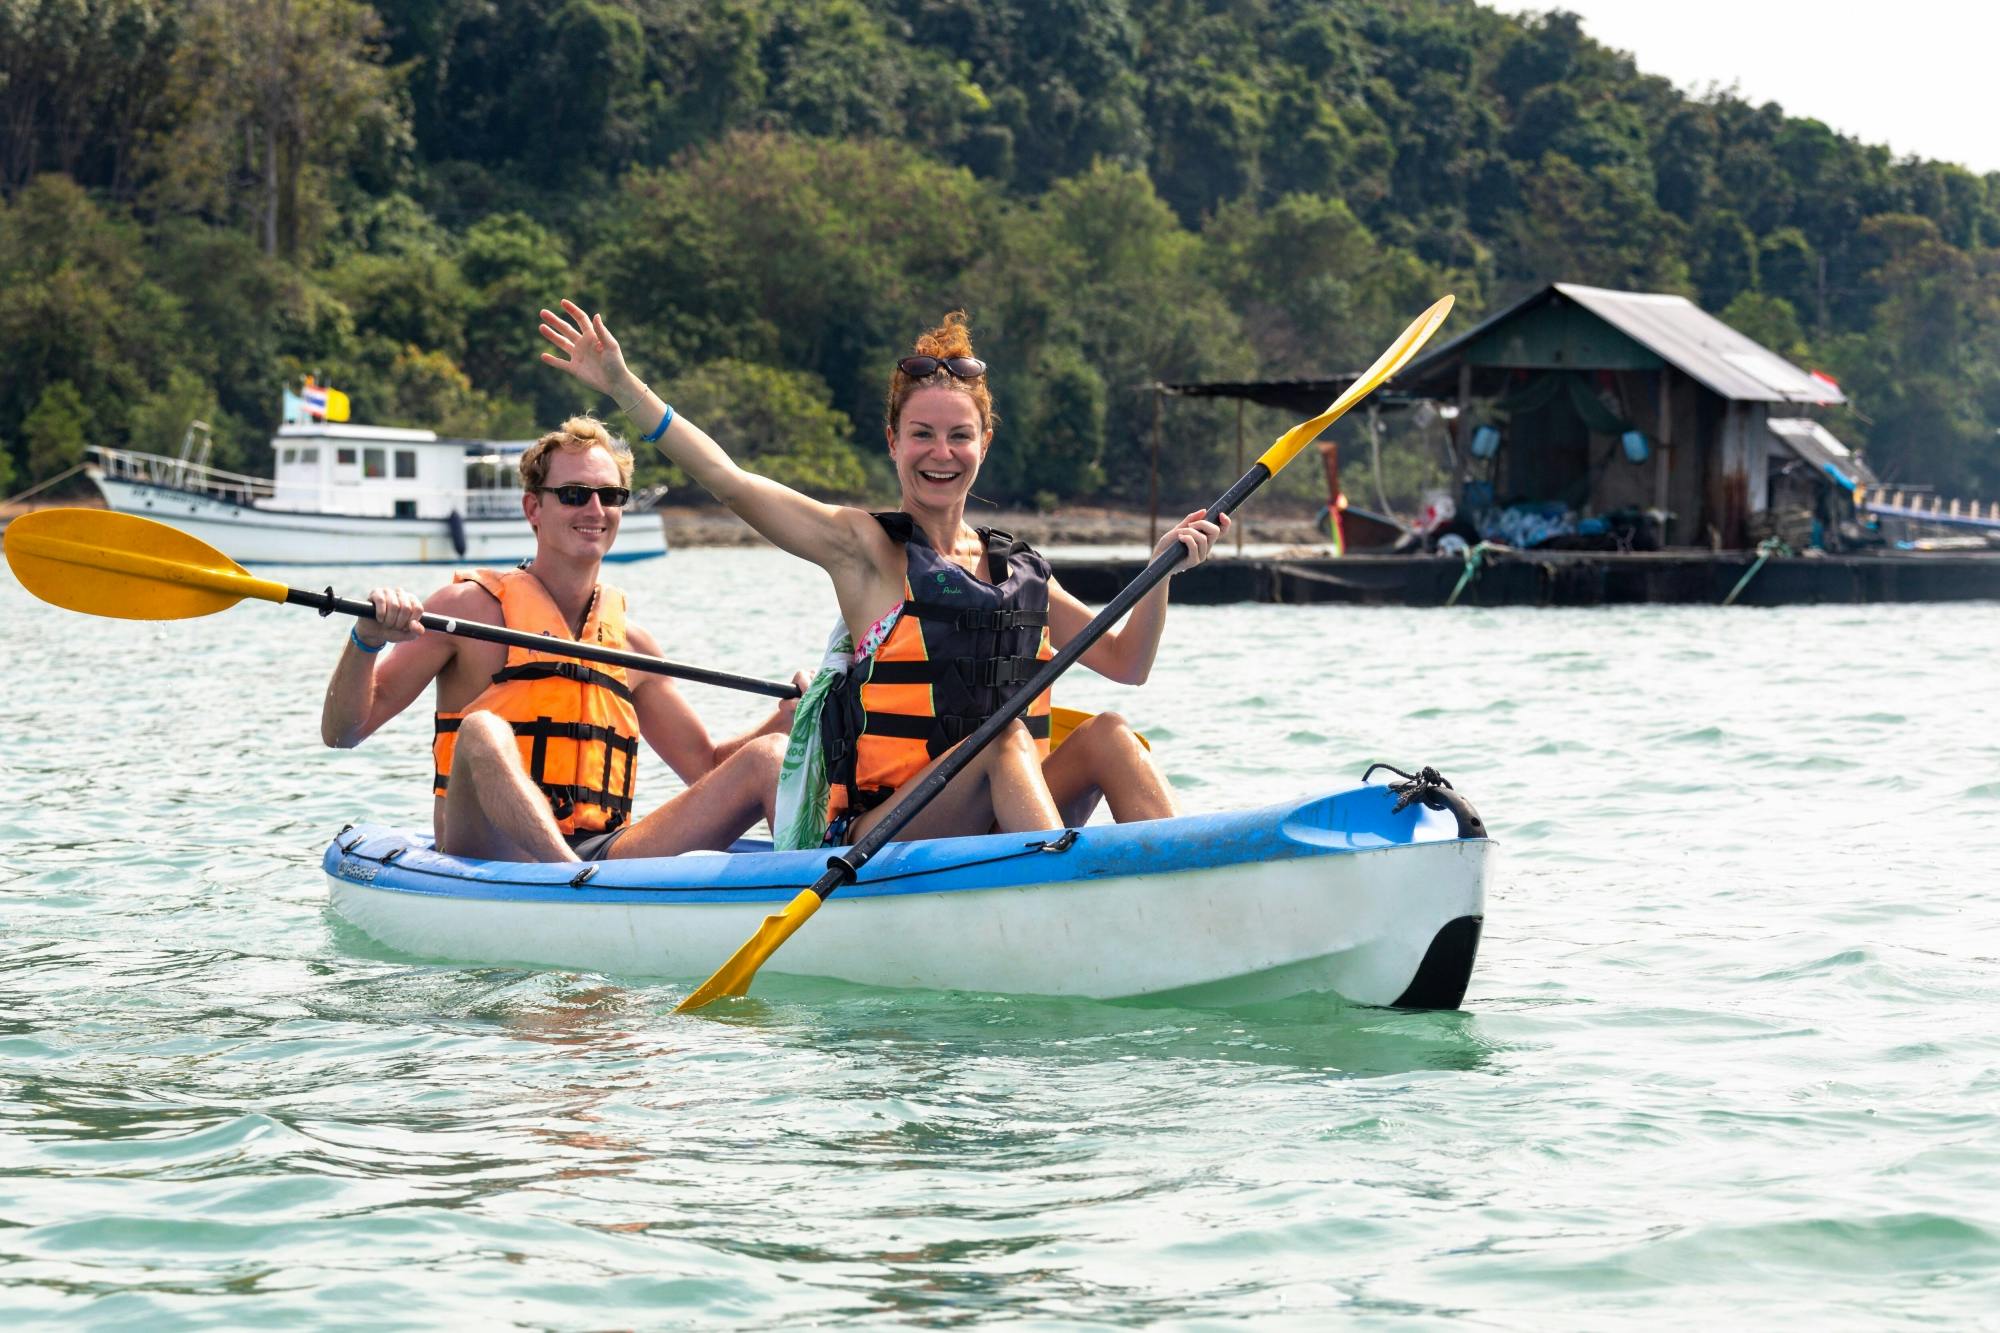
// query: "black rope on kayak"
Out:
[1041,846]
[1434,790]
[1426,776]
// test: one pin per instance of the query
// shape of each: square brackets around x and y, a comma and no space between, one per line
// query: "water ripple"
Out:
[1727,1059]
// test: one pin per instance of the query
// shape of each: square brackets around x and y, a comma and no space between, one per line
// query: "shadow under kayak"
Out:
[1375,893]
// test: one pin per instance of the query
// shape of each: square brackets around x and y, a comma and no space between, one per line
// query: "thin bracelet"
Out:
[661,429]
[355,636]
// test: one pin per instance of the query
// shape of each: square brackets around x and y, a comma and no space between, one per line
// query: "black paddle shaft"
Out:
[327,604]
[842,869]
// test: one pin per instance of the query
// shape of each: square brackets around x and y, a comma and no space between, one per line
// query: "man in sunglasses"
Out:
[534,754]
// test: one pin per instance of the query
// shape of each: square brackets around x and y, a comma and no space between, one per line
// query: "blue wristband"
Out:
[661,429]
[355,635]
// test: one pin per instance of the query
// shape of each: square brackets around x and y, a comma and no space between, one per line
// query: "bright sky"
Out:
[1917,75]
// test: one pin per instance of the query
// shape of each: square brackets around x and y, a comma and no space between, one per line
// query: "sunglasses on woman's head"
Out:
[611,497]
[958,367]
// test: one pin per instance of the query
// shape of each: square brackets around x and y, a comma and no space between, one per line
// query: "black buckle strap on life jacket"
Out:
[995,672]
[543,728]
[999,620]
[565,797]
[576,671]
[951,728]
[904,673]
[1000,549]
[974,618]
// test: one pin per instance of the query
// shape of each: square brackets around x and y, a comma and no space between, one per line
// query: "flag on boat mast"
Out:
[321,402]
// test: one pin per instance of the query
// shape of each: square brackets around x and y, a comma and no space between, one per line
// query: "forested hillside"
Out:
[204,199]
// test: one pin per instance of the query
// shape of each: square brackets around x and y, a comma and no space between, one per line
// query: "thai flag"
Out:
[314,397]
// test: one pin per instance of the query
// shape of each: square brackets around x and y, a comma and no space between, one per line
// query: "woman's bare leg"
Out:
[1002,788]
[720,808]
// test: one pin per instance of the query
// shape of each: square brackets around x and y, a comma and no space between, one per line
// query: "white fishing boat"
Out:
[353,495]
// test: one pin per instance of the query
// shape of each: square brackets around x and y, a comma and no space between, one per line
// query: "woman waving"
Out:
[940,622]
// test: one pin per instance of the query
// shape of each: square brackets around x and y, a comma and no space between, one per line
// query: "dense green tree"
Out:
[284,87]
[56,430]
[1770,320]
[80,307]
[778,423]
[1599,226]
[1119,191]
[160,421]
[1310,286]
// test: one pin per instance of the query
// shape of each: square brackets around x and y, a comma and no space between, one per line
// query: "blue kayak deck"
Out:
[1360,819]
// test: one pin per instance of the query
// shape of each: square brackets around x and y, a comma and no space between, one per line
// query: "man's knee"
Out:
[766,756]
[483,733]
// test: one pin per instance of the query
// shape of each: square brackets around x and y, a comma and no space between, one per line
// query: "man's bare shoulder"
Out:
[466,599]
[641,640]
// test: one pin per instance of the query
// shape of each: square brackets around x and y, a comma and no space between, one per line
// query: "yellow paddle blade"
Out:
[734,977]
[1391,361]
[121,565]
[1062,721]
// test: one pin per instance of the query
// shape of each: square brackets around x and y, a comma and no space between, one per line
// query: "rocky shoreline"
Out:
[689,525]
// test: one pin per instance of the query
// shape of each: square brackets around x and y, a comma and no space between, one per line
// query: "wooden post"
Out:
[1153,472]
[1239,468]
[1664,431]
[1463,459]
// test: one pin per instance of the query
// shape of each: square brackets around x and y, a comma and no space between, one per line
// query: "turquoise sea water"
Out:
[1729,1056]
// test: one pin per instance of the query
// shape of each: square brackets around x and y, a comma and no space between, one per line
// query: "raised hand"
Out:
[589,351]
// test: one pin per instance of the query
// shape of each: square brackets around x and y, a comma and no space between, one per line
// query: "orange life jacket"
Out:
[960,649]
[577,728]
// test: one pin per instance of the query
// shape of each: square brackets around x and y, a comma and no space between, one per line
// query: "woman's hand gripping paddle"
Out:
[734,976]
[132,568]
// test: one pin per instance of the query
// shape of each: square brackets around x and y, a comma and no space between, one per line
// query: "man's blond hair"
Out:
[577,435]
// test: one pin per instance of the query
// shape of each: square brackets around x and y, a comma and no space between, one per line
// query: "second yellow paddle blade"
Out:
[1062,721]
[121,565]
[734,977]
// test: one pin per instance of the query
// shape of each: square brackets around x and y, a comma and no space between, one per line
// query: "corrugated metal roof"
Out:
[1823,449]
[1672,328]
[1702,346]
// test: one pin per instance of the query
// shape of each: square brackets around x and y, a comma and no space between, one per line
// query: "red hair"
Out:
[950,338]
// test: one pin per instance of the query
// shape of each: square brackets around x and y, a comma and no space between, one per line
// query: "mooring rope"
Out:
[64,475]
[1474,561]
[1767,548]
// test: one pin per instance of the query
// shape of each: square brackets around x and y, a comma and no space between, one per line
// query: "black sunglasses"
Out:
[958,367]
[612,497]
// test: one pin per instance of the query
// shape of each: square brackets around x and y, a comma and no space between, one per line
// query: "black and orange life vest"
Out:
[960,649]
[578,730]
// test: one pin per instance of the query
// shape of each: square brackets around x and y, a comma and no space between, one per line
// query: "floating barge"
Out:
[1504,577]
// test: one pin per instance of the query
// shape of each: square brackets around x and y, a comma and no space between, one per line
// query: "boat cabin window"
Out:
[374,463]
[288,456]
[406,464]
[344,457]
[309,456]
[406,509]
